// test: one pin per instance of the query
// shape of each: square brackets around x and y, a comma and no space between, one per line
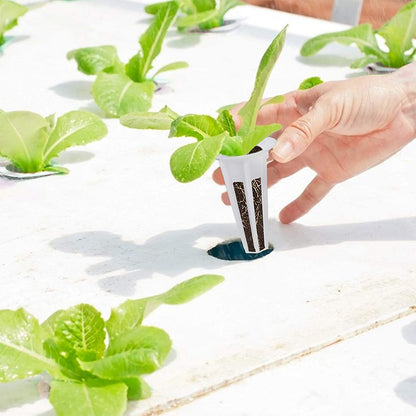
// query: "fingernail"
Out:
[283,150]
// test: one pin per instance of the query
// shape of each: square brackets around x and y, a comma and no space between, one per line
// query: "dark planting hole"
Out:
[13,168]
[255,149]
[228,22]
[234,250]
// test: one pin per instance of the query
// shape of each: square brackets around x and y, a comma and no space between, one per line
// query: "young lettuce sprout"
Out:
[215,136]
[205,14]
[30,141]
[9,15]
[122,88]
[96,365]
[398,34]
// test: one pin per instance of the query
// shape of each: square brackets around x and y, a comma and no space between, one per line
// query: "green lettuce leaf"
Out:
[66,357]
[204,5]
[196,19]
[92,60]
[309,83]
[131,363]
[23,136]
[154,7]
[205,13]
[133,67]
[248,112]
[51,120]
[57,169]
[398,33]
[187,6]
[81,328]
[144,120]
[48,326]
[361,35]
[73,128]
[232,146]
[21,347]
[27,141]
[226,5]
[90,398]
[138,389]
[142,337]
[161,120]
[152,39]
[130,314]
[216,21]
[363,61]
[197,126]
[117,94]
[9,15]
[190,289]
[191,161]
[258,134]
[227,122]
[173,66]
[167,110]
[278,99]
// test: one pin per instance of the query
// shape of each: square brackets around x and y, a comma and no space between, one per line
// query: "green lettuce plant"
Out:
[96,365]
[9,15]
[215,135]
[206,14]
[397,35]
[122,88]
[30,141]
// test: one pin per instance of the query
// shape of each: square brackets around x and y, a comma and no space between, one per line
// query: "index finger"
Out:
[283,113]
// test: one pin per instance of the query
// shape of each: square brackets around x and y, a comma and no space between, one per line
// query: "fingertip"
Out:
[218,177]
[225,198]
[283,151]
[286,217]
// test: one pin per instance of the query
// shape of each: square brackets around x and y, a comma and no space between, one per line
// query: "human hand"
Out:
[375,12]
[313,8]
[338,129]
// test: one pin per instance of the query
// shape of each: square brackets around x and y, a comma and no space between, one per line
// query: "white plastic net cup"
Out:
[246,182]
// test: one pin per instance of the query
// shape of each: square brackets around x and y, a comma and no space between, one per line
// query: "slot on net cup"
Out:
[246,182]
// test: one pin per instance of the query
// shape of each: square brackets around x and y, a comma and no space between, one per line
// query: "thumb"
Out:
[296,138]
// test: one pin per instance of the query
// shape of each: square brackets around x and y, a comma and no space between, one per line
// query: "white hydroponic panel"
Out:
[372,371]
[119,226]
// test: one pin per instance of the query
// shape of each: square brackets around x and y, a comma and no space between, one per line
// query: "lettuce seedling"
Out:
[30,141]
[122,88]
[96,365]
[215,136]
[397,33]
[206,14]
[9,15]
